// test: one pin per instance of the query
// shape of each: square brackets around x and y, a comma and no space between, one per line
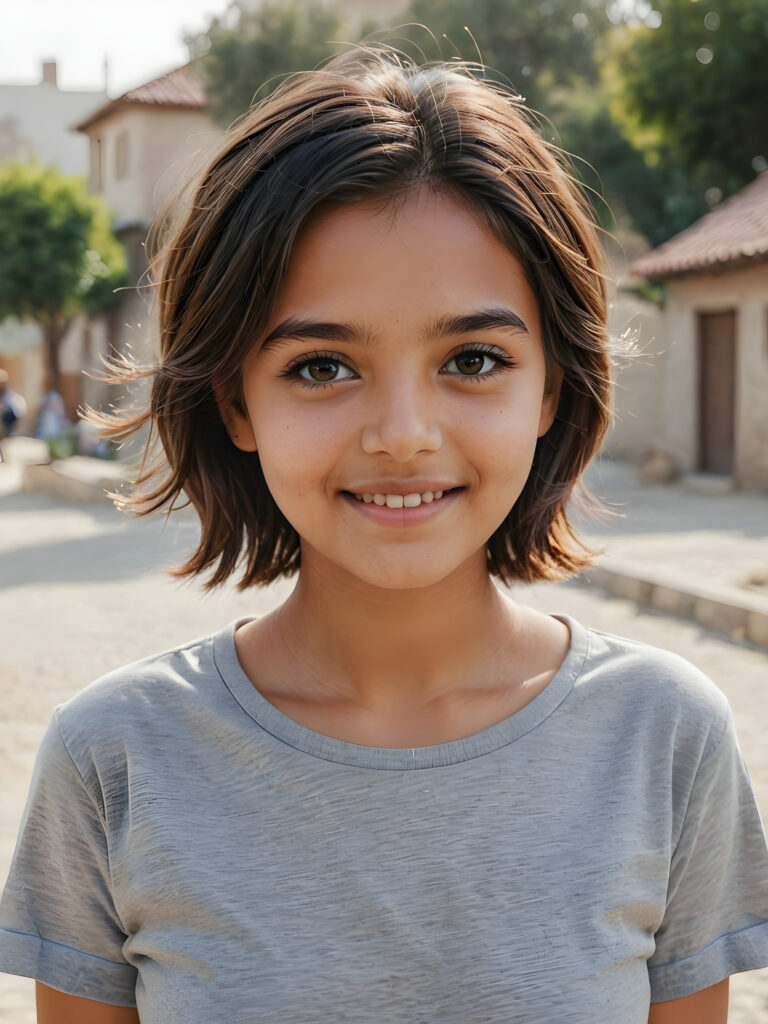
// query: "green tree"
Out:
[553,52]
[550,52]
[689,83]
[533,46]
[58,255]
[247,51]
[628,192]
[560,55]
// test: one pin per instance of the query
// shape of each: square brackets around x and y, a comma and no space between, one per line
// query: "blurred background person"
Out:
[12,406]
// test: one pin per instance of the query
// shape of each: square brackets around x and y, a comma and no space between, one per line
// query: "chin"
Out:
[406,580]
[388,569]
[407,573]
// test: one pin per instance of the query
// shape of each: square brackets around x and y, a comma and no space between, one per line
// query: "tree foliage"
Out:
[57,252]
[551,53]
[627,192]
[533,46]
[653,125]
[690,85]
[248,51]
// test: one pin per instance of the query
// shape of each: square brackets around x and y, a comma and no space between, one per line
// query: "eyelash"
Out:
[503,361]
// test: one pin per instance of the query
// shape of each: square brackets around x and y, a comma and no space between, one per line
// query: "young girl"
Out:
[401,797]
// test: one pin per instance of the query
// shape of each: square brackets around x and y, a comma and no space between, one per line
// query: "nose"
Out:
[400,420]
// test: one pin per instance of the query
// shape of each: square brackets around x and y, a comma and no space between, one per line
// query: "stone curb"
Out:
[738,613]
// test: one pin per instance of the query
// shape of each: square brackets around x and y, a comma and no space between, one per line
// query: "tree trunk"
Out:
[112,317]
[54,330]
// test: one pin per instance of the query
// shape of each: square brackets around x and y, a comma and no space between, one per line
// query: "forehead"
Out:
[418,256]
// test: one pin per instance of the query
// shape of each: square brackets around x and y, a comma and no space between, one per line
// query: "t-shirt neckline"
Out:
[328,748]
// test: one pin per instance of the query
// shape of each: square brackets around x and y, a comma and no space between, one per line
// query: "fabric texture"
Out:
[189,849]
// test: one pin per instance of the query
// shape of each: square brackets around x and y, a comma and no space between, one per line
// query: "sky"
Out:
[140,38]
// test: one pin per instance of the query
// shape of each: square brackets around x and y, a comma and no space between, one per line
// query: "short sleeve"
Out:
[716,918]
[58,921]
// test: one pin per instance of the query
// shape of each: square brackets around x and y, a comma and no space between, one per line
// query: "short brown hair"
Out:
[367,124]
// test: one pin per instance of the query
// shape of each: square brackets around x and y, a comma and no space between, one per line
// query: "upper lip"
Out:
[401,487]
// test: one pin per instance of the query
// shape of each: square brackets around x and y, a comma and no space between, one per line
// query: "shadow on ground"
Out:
[112,555]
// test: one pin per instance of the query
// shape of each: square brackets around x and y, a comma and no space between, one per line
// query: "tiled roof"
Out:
[176,89]
[732,235]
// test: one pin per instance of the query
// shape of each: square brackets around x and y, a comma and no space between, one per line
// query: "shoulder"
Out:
[144,699]
[656,692]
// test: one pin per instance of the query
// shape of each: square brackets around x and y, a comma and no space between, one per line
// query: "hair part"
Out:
[370,124]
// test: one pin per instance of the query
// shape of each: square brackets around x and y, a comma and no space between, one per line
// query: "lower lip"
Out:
[404,516]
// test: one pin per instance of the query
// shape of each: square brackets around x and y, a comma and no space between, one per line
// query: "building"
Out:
[139,141]
[133,149]
[713,397]
[36,122]
[36,125]
[141,145]
[136,146]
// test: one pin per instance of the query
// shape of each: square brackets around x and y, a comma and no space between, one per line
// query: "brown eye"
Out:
[471,363]
[321,369]
[476,362]
[322,372]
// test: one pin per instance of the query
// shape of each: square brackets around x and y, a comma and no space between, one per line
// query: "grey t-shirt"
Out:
[189,849]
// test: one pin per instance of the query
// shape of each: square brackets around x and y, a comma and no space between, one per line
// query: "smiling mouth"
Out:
[413,500]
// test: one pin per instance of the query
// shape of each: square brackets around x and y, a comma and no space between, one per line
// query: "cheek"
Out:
[297,445]
[506,432]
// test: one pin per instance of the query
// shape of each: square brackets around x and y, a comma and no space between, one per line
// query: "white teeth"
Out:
[401,500]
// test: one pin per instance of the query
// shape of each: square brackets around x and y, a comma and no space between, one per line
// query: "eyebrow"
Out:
[298,329]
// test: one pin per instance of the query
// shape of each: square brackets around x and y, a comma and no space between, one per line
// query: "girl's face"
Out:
[404,358]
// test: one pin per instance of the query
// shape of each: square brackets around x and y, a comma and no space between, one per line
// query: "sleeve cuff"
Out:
[66,969]
[745,950]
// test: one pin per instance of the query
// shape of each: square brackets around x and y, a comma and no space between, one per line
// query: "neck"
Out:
[382,648]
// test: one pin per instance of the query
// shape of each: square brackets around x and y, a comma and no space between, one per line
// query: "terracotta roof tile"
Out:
[176,88]
[731,235]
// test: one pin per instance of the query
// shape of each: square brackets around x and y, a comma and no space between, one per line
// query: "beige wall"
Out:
[172,144]
[746,292]
[162,143]
[39,124]
[637,329]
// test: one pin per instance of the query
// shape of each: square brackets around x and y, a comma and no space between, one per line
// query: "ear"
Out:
[238,424]
[551,399]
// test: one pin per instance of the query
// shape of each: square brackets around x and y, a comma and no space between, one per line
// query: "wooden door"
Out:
[717,391]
